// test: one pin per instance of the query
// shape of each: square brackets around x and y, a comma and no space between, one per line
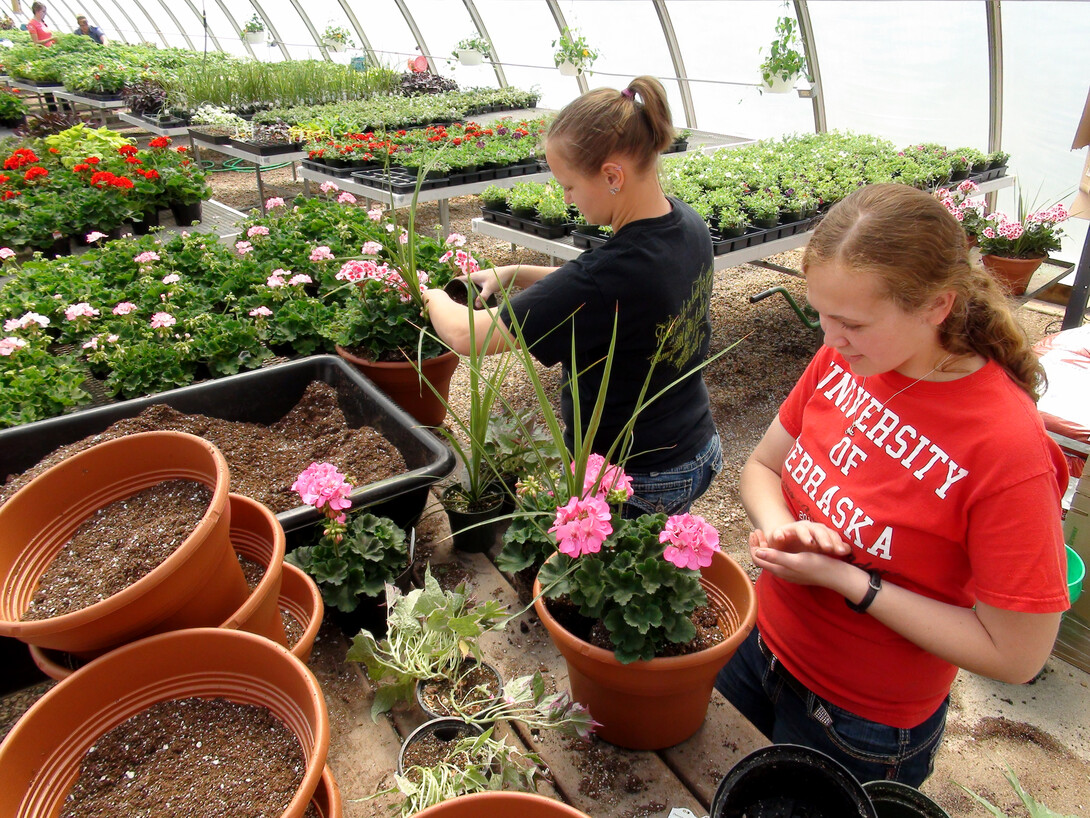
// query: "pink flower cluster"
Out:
[162,320]
[173,278]
[371,248]
[80,310]
[582,526]
[6,253]
[692,541]
[367,270]
[462,260]
[9,345]
[324,488]
[29,319]
[321,252]
[146,258]
[1049,216]
[243,247]
[257,230]
[615,485]
[260,312]
[124,308]
[273,202]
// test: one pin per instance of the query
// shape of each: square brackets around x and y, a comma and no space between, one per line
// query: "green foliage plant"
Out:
[784,61]
[430,632]
[476,43]
[494,197]
[12,106]
[338,34]
[254,25]
[572,47]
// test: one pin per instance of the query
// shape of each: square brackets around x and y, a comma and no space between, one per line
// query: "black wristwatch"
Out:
[872,591]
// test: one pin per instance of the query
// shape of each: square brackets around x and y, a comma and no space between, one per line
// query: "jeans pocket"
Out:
[865,740]
[653,496]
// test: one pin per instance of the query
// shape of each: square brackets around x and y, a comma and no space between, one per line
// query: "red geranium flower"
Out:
[127,150]
[159,142]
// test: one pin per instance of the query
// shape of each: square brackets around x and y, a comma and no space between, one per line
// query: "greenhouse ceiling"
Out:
[1011,75]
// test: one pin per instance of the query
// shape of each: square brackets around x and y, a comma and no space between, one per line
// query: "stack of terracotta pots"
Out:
[190,627]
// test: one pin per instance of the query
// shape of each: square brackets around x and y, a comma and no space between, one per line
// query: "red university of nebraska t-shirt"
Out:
[951,491]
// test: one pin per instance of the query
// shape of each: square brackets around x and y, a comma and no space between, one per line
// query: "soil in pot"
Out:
[708,630]
[474,687]
[253,572]
[190,757]
[264,460]
[118,545]
[433,741]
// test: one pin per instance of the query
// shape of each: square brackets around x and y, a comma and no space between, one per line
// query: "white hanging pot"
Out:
[255,37]
[568,69]
[334,45]
[779,85]
[469,56]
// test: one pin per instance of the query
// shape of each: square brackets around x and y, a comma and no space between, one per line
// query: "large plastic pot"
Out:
[41,756]
[656,704]
[501,805]
[302,599]
[200,584]
[408,387]
[789,780]
[893,799]
[327,798]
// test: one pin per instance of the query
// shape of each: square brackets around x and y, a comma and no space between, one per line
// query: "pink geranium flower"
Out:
[94,236]
[147,257]
[371,248]
[273,202]
[375,213]
[162,320]
[320,485]
[276,279]
[615,485]
[173,278]
[692,541]
[456,240]
[260,312]
[29,319]
[322,252]
[124,308]
[243,247]
[300,278]
[582,526]
[257,230]
[6,253]
[346,198]
[9,345]
[328,187]
[80,310]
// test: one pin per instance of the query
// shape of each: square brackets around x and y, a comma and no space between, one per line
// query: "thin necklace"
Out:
[850,431]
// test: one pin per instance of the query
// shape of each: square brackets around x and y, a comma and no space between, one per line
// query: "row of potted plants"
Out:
[84,181]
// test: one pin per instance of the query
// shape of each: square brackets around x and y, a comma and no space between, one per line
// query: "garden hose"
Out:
[234,164]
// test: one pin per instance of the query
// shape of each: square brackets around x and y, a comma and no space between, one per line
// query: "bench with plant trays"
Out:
[532,207]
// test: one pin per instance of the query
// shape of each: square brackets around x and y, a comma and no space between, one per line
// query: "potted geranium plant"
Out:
[1013,250]
[785,63]
[573,54]
[337,38]
[966,209]
[253,30]
[473,50]
[12,109]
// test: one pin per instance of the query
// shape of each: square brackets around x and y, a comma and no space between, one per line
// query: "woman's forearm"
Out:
[524,275]
[762,496]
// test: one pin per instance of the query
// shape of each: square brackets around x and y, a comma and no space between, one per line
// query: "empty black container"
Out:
[892,799]
[790,781]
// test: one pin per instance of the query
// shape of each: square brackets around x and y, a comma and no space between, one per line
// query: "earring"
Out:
[613,191]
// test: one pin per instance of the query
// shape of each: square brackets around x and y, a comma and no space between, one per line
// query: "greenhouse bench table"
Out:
[140,122]
[259,161]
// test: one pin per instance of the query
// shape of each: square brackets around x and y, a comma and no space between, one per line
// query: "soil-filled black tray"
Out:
[328,170]
[264,396]
[42,83]
[206,136]
[163,122]
[97,97]
[721,245]
[266,148]
[587,241]
[678,147]
[531,226]
[395,180]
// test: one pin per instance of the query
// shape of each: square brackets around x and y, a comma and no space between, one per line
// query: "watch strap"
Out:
[873,587]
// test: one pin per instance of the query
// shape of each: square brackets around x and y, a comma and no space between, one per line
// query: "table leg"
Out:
[444,215]
[260,189]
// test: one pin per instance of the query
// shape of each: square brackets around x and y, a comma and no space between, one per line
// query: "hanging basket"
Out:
[779,85]
[469,56]
[568,69]
[254,37]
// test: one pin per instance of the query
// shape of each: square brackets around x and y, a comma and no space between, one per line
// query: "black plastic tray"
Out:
[586,241]
[214,138]
[266,149]
[328,170]
[531,226]
[264,396]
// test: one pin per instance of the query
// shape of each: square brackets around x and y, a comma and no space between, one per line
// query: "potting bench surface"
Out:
[598,778]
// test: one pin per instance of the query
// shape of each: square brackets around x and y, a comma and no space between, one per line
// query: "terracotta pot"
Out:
[657,704]
[255,535]
[199,585]
[300,597]
[406,387]
[327,798]
[1012,273]
[40,757]
[501,805]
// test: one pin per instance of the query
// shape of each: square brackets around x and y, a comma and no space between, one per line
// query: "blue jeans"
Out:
[869,750]
[673,490]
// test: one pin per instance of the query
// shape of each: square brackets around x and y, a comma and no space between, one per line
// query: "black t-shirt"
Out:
[655,275]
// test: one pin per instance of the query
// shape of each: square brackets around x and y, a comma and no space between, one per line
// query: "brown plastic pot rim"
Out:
[308,611]
[359,359]
[747,610]
[490,803]
[74,619]
[266,547]
[42,753]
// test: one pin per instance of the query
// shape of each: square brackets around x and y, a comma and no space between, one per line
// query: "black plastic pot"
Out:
[433,714]
[147,220]
[264,396]
[473,532]
[186,214]
[790,781]
[892,799]
[446,730]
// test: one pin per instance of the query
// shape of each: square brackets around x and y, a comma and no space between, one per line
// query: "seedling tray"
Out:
[586,241]
[264,396]
[214,138]
[328,170]
[266,148]
[533,227]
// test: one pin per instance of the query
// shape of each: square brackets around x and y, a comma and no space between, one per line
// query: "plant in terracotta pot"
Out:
[1013,250]
[965,208]
[353,558]
[430,632]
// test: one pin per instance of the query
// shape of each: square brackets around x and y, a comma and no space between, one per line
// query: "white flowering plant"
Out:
[1032,235]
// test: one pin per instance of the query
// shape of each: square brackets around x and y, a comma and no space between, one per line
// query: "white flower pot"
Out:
[779,85]
[254,37]
[334,45]
[568,69]
[468,56]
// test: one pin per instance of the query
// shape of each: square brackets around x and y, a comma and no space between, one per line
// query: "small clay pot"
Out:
[301,598]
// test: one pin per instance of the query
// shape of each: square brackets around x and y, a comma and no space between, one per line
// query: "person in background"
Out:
[87,30]
[654,275]
[39,34]
[905,500]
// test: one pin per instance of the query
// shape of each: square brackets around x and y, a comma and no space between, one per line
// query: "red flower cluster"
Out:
[104,178]
[132,160]
[127,150]
[34,172]
[11,194]
[21,157]
[150,173]
[159,142]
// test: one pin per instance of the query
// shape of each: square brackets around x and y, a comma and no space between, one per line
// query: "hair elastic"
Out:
[628,92]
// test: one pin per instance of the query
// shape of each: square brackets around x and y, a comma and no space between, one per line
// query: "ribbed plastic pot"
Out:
[656,704]
[1013,273]
[788,779]
[892,799]
[301,597]
[418,691]
[200,584]
[473,532]
[406,387]
[446,729]
[41,756]
[501,805]
[327,798]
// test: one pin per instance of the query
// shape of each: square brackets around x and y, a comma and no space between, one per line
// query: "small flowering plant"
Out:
[966,205]
[1032,236]
[352,558]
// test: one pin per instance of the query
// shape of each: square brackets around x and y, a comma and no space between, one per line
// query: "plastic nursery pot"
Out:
[1076,573]
[1012,273]
[892,799]
[41,756]
[406,387]
[435,706]
[301,598]
[501,805]
[200,584]
[657,704]
[790,780]
[255,535]
[327,798]
[446,730]
[473,532]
